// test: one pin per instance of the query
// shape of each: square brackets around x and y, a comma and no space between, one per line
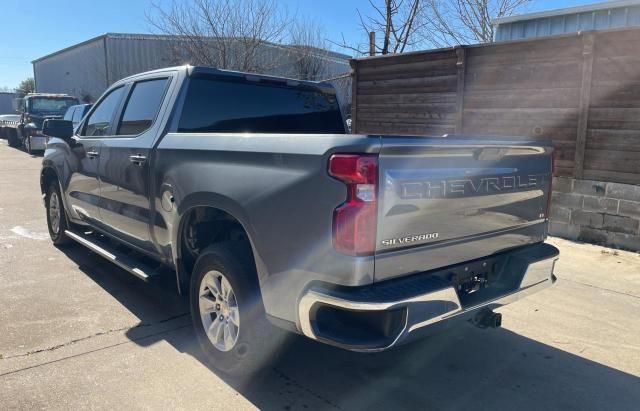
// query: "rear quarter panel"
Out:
[278,188]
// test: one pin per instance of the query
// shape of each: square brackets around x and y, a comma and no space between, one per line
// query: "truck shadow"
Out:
[463,368]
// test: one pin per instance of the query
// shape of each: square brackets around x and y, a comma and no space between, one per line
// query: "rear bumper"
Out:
[382,315]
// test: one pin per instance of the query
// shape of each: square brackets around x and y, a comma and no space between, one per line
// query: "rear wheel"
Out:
[227,311]
[56,217]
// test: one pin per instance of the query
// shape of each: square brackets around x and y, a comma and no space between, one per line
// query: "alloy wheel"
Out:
[54,212]
[219,311]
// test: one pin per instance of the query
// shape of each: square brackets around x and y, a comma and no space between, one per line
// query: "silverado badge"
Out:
[409,239]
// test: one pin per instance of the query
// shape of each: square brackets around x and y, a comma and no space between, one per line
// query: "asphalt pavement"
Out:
[77,332]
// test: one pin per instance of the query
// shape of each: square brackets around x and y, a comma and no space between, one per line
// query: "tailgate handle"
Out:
[490,153]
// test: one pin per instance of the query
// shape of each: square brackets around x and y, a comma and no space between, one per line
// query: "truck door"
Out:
[83,190]
[124,170]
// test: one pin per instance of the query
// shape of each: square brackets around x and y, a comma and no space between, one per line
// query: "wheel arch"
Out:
[222,209]
[48,174]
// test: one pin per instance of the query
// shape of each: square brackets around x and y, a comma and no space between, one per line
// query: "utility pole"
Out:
[372,43]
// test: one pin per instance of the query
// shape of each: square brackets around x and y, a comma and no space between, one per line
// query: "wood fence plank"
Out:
[354,96]
[585,99]
[461,68]
[581,91]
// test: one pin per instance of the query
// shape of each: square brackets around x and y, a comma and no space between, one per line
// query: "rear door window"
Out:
[227,106]
[142,107]
[99,121]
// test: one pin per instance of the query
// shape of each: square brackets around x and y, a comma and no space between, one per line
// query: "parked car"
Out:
[34,109]
[248,191]
[76,113]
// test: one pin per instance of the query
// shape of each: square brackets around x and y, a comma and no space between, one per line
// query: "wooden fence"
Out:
[582,91]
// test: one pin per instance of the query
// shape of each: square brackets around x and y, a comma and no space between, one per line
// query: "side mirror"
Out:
[58,128]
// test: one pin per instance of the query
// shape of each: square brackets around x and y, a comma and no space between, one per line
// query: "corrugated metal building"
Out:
[599,16]
[6,102]
[86,69]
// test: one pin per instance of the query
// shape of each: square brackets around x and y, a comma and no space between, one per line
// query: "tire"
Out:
[12,138]
[27,145]
[56,220]
[256,342]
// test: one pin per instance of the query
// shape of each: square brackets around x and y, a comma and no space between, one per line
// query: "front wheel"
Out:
[56,217]
[27,144]
[12,138]
[227,311]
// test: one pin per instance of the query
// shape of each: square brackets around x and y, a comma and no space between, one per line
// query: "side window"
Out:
[77,115]
[100,120]
[69,114]
[142,107]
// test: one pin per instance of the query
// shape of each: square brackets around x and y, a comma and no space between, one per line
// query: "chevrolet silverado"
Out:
[248,191]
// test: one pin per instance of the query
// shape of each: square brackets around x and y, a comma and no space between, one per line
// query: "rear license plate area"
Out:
[476,281]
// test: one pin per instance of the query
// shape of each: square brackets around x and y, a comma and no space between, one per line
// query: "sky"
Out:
[32,29]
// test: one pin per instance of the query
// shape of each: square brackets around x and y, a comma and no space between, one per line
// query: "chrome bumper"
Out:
[38,143]
[442,305]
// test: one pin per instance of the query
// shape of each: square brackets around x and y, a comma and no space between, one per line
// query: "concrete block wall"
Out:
[596,212]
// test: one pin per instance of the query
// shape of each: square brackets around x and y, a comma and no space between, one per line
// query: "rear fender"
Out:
[220,202]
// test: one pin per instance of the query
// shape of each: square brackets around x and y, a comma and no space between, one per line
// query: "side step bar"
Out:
[118,258]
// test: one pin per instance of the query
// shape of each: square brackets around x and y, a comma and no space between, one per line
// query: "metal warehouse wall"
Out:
[616,16]
[78,71]
[6,103]
[132,54]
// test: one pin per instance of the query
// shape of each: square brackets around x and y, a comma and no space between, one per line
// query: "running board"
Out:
[118,258]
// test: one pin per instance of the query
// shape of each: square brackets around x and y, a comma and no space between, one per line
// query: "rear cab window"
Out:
[216,105]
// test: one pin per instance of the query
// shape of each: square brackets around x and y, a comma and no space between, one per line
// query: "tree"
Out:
[228,34]
[25,87]
[309,50]
[404,25]
[453,22]
[395,23]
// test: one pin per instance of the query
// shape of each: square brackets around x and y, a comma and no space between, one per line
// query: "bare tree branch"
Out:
[396,20]
[452,22]
[229,34]
[309,50]
[403,25]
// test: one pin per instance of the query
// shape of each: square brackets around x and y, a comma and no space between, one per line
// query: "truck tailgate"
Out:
[444,201]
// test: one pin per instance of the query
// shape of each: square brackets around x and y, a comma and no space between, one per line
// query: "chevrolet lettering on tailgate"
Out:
[461,187]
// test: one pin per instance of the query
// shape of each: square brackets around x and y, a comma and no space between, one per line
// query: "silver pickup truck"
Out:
[248,191]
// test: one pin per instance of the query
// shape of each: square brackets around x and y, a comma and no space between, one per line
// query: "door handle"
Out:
[93,154]
[137,159]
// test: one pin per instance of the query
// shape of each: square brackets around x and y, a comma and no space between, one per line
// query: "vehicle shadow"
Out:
[463,368]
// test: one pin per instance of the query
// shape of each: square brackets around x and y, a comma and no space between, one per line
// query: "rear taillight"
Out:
[354,222]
